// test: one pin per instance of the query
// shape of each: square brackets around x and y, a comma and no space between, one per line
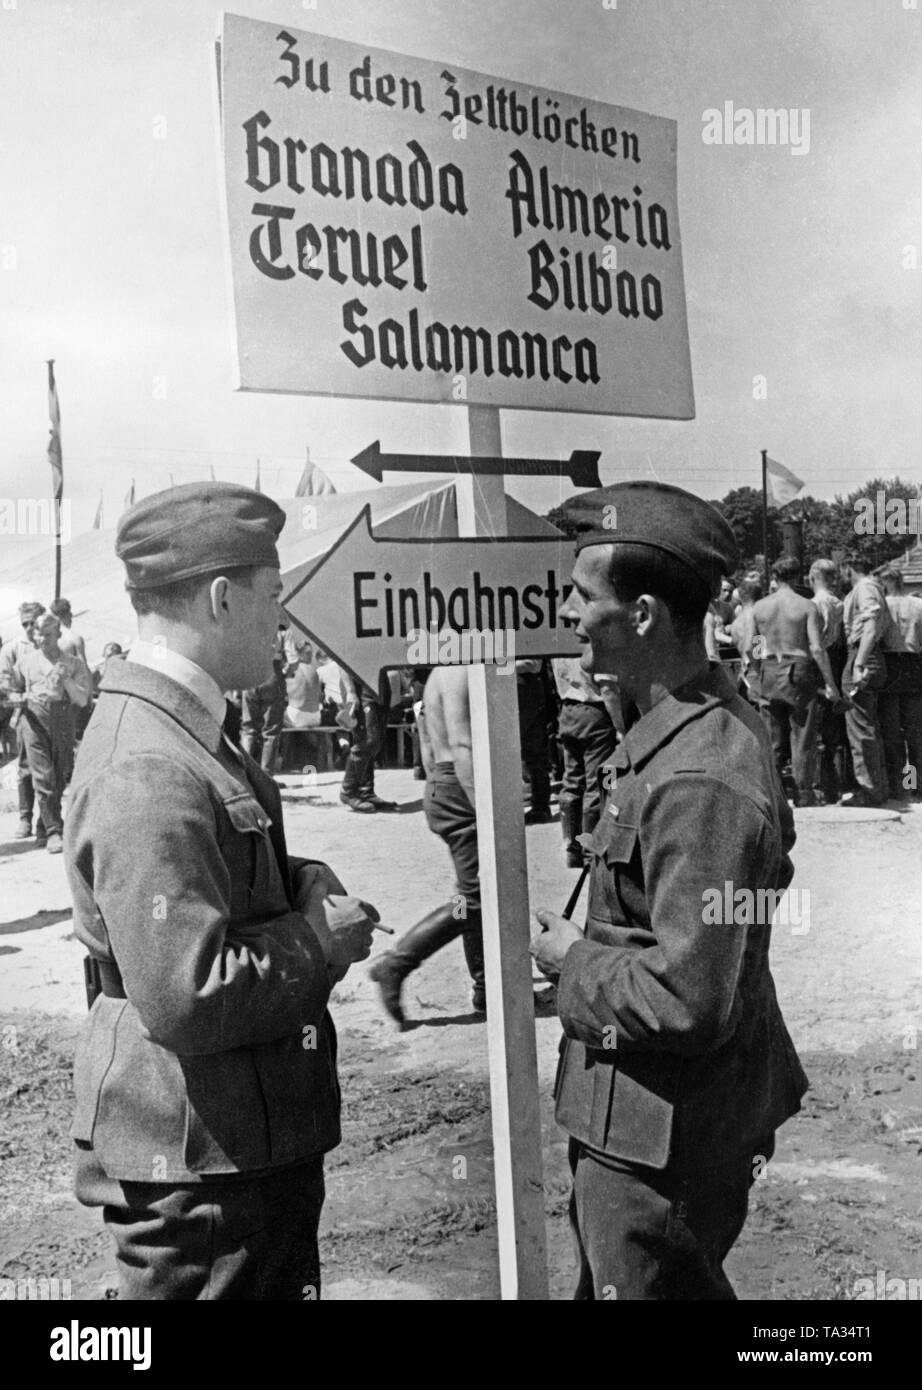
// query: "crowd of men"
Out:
[837,681]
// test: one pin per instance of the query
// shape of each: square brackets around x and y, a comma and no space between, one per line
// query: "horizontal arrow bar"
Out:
[582,467]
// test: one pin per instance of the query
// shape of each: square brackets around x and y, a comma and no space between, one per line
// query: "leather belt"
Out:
[110,978]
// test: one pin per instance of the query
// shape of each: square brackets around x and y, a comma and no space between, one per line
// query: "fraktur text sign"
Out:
[410,230]
[375,604]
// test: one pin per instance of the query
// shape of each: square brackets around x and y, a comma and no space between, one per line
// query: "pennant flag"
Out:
[97,520]
[314,483]
[55,457]
[783,485]
[257,486]
[129,495]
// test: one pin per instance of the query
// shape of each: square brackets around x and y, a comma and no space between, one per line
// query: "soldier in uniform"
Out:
[9,659]
[262,711]
[51,683]
[676,1067]
[866,621]
[205,1078]
[900,704]
[587,728]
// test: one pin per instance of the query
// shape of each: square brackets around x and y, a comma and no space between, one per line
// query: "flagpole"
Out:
[59,479]
[765,517]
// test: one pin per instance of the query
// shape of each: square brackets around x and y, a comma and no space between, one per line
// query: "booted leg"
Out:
[269,757]
[571,819]
[26,794]
[472,941]
[415,946]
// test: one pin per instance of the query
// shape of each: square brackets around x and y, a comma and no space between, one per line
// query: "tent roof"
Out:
[93,578]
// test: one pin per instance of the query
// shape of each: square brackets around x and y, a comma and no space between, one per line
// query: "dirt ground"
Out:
[404,1218]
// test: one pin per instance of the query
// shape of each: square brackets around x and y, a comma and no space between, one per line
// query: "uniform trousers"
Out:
[533,739]
[787,691]
[367,741]
[24,787]
[588,737]
[263,718]
[862,725]
[900,712]
[246,1237]
[450,815]
[644,1234]
[48,740]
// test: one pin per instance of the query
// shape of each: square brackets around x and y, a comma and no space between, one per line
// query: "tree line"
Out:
[828,527]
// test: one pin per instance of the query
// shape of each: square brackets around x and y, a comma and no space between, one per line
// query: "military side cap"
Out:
[195,529]
[663,517]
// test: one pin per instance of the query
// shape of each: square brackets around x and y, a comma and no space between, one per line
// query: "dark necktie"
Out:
[232,722]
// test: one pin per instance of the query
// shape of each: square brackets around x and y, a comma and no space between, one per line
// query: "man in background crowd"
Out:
[534,717]
[742,629]
[901,698]
[865,619]
[830,729]
[723,603]
[368,709]
[263,711]
[789,659]
[112,651]
[69,640]
[9,657]
[51,683]
[587,734]
[447,748]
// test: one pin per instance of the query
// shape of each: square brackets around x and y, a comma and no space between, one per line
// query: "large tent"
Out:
[94,582]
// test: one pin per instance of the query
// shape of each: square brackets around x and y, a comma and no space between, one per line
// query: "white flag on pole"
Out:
[783,485]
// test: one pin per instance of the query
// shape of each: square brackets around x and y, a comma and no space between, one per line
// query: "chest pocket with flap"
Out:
[250,855]
[616,886]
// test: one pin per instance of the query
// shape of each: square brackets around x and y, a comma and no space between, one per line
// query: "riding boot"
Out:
[472,940]
[26,804]
[268,756]
[252,744]
[571,819]
[421,941]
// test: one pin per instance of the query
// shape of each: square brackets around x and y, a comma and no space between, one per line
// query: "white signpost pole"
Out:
[515,1103]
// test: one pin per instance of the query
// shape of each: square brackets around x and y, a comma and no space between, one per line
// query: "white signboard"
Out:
[405,229]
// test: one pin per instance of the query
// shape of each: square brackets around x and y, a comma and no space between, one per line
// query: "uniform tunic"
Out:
[675,1056]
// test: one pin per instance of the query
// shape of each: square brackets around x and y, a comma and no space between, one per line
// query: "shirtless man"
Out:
[445,739]
[69,641]
[72,644]
[787,634]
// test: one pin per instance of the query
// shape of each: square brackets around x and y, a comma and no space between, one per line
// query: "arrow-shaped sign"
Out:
[380,603]
[582,467]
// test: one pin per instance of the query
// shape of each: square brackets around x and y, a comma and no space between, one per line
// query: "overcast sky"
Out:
[112,256]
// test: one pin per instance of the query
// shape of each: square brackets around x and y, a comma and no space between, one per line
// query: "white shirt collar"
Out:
[157,657]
